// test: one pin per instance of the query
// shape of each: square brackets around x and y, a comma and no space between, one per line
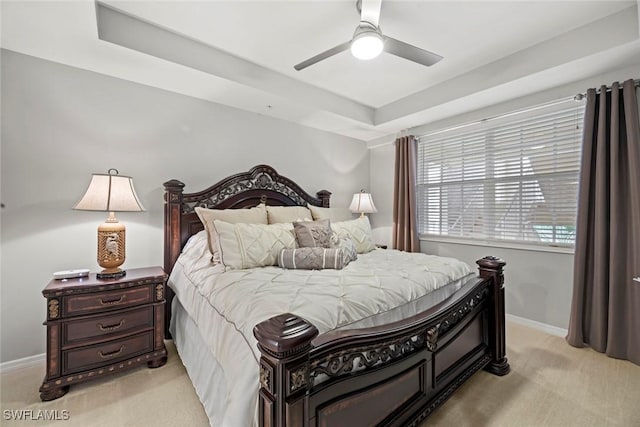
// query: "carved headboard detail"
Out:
[241,190]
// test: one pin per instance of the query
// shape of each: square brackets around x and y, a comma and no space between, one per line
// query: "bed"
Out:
[293,359]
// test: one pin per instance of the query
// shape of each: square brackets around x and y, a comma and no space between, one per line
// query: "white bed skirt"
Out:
[203,369]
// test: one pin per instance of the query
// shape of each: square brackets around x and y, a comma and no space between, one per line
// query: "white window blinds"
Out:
[513,178]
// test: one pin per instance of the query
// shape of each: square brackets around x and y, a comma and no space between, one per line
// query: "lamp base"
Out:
[105,274]
[111,248]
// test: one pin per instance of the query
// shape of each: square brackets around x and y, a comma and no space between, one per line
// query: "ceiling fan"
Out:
[368,41]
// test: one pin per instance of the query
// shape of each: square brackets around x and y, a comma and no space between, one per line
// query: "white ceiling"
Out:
[241,53]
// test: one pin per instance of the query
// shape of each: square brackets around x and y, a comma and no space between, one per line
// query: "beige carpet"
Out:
[550,384]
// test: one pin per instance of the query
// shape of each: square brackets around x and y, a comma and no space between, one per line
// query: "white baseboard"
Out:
[25,362]
[553,330]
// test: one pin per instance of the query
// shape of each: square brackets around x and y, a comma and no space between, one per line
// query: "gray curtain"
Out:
[605,310]
[405,234]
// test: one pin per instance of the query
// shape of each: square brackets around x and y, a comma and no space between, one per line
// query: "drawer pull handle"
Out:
[111,302]
[110,327]
[112,353]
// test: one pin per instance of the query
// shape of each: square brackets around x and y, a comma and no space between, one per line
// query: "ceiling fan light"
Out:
[367,45]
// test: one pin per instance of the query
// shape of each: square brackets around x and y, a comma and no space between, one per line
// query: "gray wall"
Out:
[60,124]
[538,284]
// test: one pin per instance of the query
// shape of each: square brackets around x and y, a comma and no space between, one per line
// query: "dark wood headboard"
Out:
[261,184]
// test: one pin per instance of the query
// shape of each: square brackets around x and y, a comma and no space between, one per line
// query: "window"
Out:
[513,178]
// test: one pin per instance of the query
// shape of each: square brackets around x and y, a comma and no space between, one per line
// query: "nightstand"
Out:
[99,327]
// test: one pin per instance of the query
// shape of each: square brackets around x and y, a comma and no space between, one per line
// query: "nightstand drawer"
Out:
[123,322]
[100,302]
[106,353]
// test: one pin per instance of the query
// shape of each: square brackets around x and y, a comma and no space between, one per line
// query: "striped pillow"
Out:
[316,258]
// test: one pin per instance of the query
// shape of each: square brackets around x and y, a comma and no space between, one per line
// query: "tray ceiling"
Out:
[241,53]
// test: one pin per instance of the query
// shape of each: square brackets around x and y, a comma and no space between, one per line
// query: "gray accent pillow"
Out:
[311,234]
[312,258]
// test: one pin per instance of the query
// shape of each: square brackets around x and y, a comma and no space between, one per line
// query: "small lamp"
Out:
[110,193]
[363,203]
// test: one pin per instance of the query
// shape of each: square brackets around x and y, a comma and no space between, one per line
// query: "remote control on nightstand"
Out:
[71,274]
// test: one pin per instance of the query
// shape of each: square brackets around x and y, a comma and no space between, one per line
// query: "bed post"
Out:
[324,196]
[491,268]
[172,237]
[284,341]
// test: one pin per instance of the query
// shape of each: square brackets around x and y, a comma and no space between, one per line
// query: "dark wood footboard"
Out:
[389,375]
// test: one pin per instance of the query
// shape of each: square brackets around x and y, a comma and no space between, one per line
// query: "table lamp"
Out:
[110,193]
[362,203]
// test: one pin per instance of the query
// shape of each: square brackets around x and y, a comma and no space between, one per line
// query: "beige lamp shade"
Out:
[110,193]
[362,203]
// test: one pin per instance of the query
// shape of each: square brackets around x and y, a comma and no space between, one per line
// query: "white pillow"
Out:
[332,214]
[278,214]
[256,215]
[359,230]
[253,245]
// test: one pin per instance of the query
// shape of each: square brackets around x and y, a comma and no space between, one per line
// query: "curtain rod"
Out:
[581,96]
[578,97]
[500,116]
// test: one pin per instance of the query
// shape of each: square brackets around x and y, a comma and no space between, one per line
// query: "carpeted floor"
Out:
[550,384]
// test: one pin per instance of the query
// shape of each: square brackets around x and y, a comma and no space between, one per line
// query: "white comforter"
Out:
[227,305]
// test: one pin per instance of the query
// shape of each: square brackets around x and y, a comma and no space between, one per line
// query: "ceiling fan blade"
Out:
[322,56]
[412,53]
[370,11]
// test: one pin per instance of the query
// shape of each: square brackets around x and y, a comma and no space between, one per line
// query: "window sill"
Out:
[496,244]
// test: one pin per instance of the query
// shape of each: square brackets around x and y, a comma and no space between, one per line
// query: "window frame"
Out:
[482,130]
